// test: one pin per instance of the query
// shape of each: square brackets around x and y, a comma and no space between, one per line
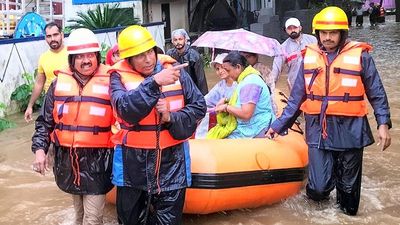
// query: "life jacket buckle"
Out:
[346,97]
[336,70]
[96,130]
[312,96]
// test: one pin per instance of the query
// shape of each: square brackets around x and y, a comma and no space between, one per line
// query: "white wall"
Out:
[179,15]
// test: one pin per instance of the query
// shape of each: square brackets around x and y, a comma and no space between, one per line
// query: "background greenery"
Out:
[23,93]
[104,16]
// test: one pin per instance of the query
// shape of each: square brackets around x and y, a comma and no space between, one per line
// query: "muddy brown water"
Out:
[28,198]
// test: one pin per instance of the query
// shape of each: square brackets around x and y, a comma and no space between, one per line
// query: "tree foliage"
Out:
[103,16]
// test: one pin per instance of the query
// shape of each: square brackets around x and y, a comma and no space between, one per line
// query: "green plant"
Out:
[206,59]
[23,93]
[67,30]
[103,51]
[104,16]
[4,123]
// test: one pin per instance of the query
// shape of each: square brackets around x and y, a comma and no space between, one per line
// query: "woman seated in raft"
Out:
[248,113]
[224,88]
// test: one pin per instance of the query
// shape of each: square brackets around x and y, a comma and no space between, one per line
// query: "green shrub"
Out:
[206,59]
[23,93]
[4,123]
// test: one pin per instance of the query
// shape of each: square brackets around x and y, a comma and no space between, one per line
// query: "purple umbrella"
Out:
[240,40]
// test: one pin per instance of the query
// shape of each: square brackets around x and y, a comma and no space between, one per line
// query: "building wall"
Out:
[178,13]
[18,56]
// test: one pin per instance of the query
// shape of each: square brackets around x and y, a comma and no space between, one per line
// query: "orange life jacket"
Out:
[335,89]
[83,116]
[143,134]
[339,83]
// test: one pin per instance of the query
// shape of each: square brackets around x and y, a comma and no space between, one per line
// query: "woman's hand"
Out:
[221,108]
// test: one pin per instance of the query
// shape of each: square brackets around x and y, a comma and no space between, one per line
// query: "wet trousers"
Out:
[89,209]
[341,169]
[165,208]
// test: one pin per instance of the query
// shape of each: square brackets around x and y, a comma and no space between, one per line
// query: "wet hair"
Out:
[53,24]
[235,58]
[344,34]
[71,60]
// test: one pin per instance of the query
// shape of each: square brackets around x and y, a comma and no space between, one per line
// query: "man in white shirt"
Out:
[292,48]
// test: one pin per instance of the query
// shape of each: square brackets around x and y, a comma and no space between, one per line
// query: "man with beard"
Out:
[292,48]
[183,53]
[76,118]
[334,81]
[52,59]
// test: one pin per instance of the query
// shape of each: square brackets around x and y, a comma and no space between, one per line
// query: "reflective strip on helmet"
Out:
[332,22]
[63,86]
[65,108]
[100,89]
[97,111]
[351,60]
[310,59]
[348,82]
[175,104]
[131,85]
[79,47]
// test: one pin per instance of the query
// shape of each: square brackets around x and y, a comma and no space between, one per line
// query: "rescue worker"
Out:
[77,117]
[158,107]
[184,53]
[332,85]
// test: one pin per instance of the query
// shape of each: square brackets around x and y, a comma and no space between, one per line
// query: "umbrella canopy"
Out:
[240,40]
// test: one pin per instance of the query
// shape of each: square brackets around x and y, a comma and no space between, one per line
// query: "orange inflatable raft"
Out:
[243,173]
[231,174]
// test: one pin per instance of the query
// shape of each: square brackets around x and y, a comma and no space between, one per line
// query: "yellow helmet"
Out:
[134,40]
[331,18]
[313,23]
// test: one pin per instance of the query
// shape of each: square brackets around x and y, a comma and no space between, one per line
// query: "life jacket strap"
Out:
[139,127]
[95,129]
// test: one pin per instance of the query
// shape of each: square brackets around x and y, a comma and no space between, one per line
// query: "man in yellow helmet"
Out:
[336,77]
[158,107]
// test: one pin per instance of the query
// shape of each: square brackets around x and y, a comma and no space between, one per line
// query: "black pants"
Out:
[165,208]
[359,20]
[340,169]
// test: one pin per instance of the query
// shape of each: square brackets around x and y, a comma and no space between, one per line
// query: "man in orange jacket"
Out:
[330,88]
[76,118]
[158,107]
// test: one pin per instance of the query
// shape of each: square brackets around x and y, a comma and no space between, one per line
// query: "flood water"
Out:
[29,198]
